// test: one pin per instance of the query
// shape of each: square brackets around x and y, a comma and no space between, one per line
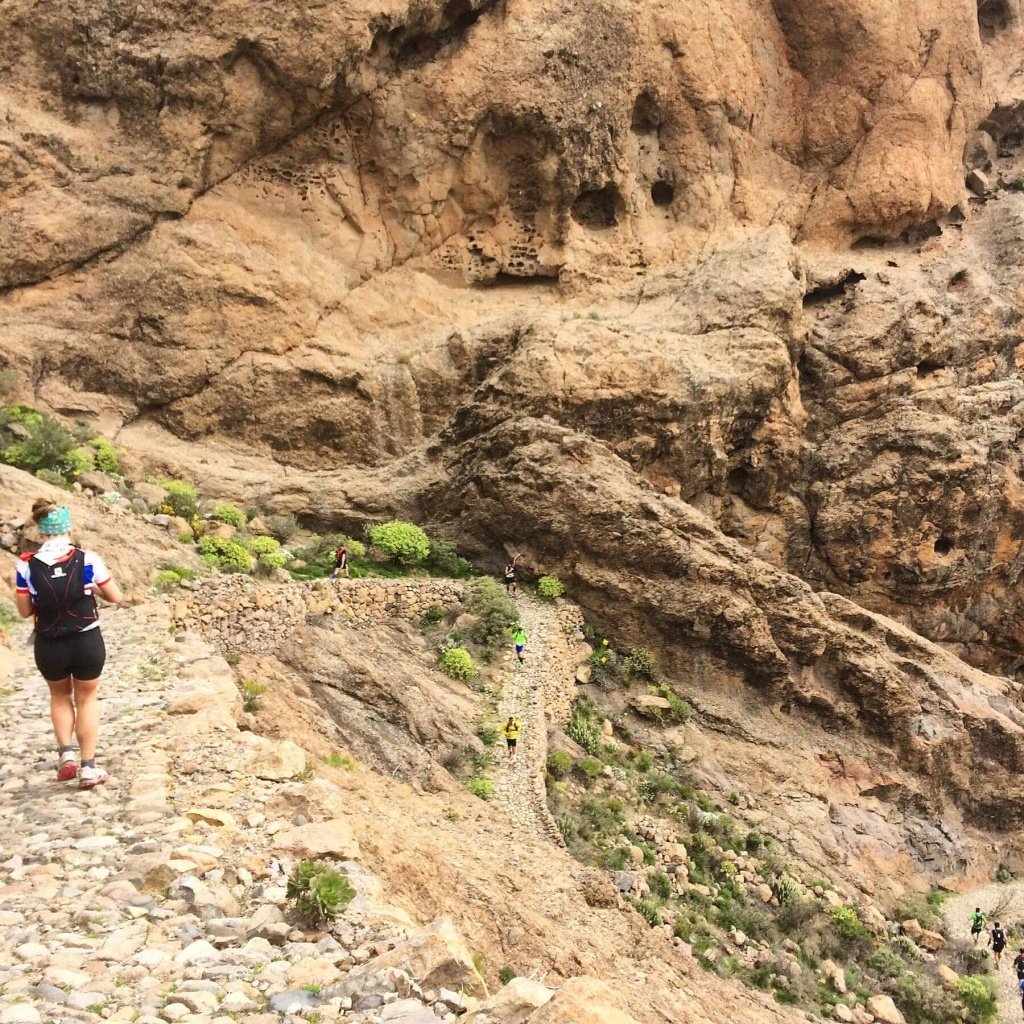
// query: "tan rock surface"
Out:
[321,839]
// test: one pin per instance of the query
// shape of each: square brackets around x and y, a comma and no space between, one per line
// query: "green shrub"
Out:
[495,611]
[590,768]
[660,884]
[584,727]
[1004,874]
[550,587]
[680,711]
[922,1001]
[794,915]
[272,561]
[227,555]
[755,841]
[786,888]
[320,892]
[282,528]
[848,924]
[483,788]
[76,462]
[886,962]
[433,615]
[918,906]
[568,826]
[8,613]
[181,498]
[401,542]
[48,445]
[445,559]
[230,514]
[559,764]
[264,545]
[251,693]
[105,456]
[166,580]
[979,996]
[487,736]
[640,663]
[457,663]
[51,476]
[649,909]
[643,761]
[506,974]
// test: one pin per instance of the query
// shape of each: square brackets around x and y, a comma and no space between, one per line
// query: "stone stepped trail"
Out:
[542,687]
[160,897]
[1006,901]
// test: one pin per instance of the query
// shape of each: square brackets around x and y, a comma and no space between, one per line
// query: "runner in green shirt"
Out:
[520,641]
[978,920]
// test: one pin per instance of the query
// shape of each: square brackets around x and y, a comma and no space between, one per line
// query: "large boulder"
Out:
[883,1009]
[511,1004]
[583,1001]
[434,957]
[274,760]
[332,839]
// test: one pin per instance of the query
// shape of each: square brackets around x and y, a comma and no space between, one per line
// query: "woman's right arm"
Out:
[111,592]
[24,603]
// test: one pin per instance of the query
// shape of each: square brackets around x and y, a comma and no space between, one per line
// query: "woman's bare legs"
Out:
[62,711]
[87,718]
[74,711]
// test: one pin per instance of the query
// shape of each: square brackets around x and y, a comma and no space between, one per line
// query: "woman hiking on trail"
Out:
[57,585]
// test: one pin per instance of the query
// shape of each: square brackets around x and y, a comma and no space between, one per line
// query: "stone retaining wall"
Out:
[238,613]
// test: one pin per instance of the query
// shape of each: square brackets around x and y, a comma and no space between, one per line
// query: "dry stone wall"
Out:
[240,614]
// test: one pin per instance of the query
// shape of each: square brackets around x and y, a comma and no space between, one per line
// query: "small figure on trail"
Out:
[1018,964]
[340,562]
[978,919]
[511,734]
[57,585]
[1020,989]
[519,639]
[997,940]
[510,575]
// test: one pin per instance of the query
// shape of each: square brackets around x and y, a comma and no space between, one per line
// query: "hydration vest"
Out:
[62,607]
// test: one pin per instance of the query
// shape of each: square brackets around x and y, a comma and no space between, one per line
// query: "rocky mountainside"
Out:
[713,309]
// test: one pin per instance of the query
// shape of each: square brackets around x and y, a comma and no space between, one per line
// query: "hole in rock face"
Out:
[662,193]
[994,16]
[737,479]
[927,367]
[943,546]
[596,208]
[646,115]
[826,292]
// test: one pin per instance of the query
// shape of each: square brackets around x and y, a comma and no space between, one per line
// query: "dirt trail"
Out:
[1004,903]
[520,790]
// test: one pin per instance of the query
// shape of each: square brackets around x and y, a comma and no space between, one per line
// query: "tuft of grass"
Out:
[337,760]
[251,693]
[480,787]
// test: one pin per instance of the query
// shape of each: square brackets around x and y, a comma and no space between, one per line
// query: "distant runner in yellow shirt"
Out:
[511,734]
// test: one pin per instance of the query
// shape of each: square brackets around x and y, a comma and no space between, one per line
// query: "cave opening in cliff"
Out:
[927,367]
[597,208]
[833,290]
[994,16]
[646,115]
[662,193]
[943,546]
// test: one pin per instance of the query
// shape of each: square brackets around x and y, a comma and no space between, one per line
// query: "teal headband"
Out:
[54,523]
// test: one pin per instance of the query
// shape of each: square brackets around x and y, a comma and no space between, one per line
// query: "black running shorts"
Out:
[80,655]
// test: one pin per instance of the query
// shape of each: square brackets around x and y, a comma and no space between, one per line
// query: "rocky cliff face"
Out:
[690,300]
